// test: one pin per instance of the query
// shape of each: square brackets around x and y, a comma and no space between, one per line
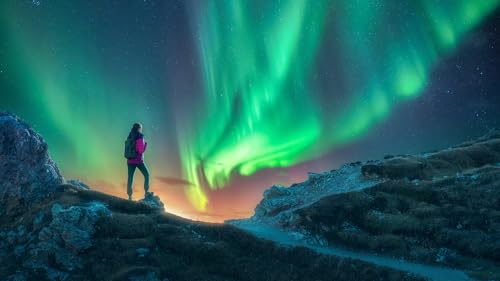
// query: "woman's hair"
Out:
[134,132]
[136,126]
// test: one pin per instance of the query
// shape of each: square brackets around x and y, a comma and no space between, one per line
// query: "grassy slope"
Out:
[440,208]
[187,250]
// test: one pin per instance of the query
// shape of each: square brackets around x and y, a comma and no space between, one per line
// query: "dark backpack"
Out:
[130,152]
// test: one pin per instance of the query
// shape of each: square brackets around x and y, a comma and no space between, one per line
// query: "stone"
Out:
[78,183]
[64,239]
[275,191]
[445,255]
[11,237]
[76,239]
[27,172]
[37,222]
[19,250]
[153,201]
[142,252]
[75,224]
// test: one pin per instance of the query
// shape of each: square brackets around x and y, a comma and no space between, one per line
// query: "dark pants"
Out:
[131,170]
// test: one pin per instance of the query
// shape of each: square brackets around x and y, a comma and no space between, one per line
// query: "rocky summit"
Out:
[153,201]
[27,173]
[51,229]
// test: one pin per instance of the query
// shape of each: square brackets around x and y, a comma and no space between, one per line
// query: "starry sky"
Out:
[238,95]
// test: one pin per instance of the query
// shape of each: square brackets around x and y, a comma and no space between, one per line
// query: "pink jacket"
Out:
[140,147]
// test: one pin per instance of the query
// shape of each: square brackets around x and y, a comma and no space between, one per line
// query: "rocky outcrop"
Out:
[27,173]
[279,202]
[78,183]
[153,201]
[51,241]
[54,242]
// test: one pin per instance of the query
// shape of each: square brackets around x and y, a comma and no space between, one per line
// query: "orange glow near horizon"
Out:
[235,201]
[176,203]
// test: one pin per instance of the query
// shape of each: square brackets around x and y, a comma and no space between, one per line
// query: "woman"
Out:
[138,161]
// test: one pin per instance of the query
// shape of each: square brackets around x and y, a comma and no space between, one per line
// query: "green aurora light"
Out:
[260,105]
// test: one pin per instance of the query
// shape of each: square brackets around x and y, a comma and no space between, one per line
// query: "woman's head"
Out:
[137,128]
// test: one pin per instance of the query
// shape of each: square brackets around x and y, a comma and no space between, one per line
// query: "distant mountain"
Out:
[52,229]
[440,208]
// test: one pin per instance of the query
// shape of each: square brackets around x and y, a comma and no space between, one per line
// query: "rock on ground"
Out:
[27,173]
[153,201]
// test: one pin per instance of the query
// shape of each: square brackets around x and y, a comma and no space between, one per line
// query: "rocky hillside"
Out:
[27,173]
[51,229]
[439,208]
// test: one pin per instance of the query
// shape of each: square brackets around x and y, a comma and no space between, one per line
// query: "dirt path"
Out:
[288,238]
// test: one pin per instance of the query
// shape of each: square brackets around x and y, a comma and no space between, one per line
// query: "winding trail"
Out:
[288,238]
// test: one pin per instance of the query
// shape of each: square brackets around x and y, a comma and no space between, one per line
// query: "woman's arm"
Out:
[140,145]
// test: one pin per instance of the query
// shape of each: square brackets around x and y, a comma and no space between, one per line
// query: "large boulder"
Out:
[54,244]
[27,173]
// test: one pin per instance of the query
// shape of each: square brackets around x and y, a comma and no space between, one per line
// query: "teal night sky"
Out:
[238,95]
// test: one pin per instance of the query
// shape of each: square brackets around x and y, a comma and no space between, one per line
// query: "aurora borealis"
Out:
[254,89]
[232,94]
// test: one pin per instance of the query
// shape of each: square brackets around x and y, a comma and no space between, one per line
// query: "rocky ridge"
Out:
[438,208]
